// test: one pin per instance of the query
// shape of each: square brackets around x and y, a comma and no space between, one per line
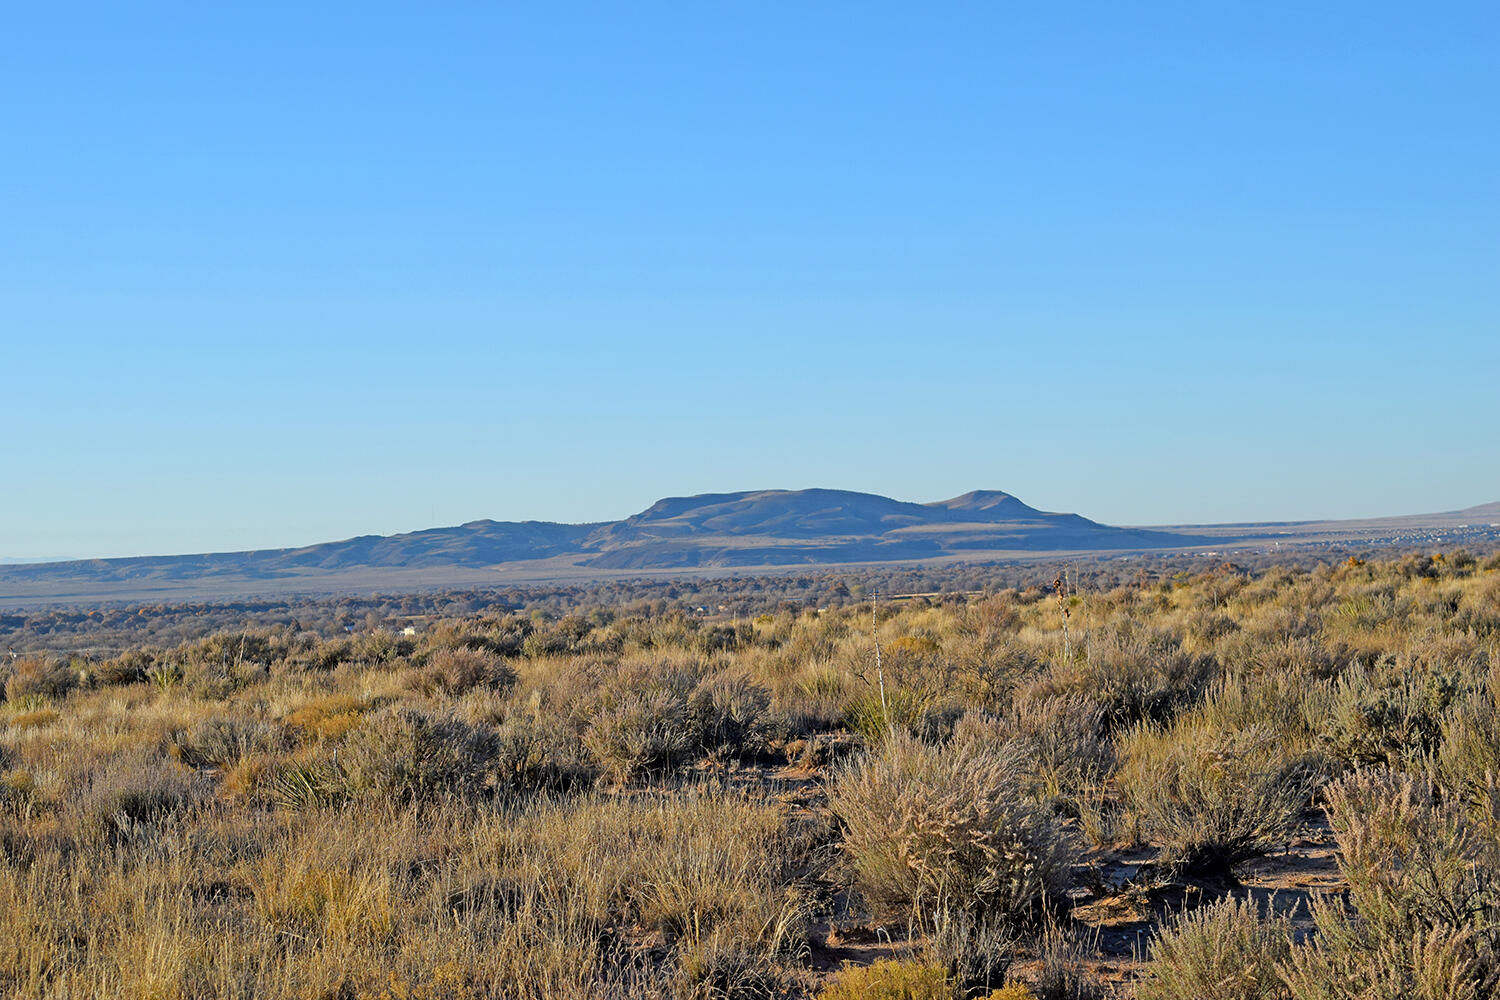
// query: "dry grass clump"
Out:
[454,670]
[1423,911]
[1389,714]
[694,895]
[17,790]
[890,979]
[1258,651]
[399,756]
[1229,950]
[349,902]
[927,828]
[329,716]
[40,677]
[404,755]
[35,718]
[714,877]
[1211,798]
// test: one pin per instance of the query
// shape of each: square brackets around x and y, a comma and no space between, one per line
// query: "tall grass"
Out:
[595,806]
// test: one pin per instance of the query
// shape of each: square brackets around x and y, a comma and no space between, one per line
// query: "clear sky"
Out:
[273,274]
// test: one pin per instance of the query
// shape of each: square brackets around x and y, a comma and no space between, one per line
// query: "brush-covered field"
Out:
[1283,784]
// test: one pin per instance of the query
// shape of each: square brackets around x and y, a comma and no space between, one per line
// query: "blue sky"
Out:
[290,273]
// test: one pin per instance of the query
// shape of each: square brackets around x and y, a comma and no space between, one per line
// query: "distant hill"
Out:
[712,531]
[754,528]
[1484,512]
[790,527]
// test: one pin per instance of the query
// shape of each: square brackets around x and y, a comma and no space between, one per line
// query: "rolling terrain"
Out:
[716,532]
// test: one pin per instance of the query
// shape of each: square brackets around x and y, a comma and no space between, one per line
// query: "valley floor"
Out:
[1222,783]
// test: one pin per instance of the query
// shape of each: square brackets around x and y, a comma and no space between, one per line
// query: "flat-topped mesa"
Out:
[743,529]
[785,513]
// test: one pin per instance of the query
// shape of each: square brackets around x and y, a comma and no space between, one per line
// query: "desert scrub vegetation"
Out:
[1212,798]
[1422,917]
[1229,950]
[932,827]
[636,801]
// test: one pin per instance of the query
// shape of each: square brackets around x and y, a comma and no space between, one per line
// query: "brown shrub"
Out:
[1228,950]
[408,756]
[40,677]
[1211,798]
[928,827]
[641,735]
[456,670]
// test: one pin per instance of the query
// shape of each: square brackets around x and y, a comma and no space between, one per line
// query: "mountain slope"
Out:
[756,528]
[476,544]
[751,528]
[1485,511]
[789,527]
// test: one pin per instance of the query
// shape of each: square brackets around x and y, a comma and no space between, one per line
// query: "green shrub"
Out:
[547,642]
[1224,951]
[1135,678]
[322,656]
[532,755]
[165,675]
[976,949]
[128,668]
[902,710]
[1468,760]
[1063,975]
[459,669]
[726,711]
[217,681]
[931,827]
[303,783]
[129,795]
